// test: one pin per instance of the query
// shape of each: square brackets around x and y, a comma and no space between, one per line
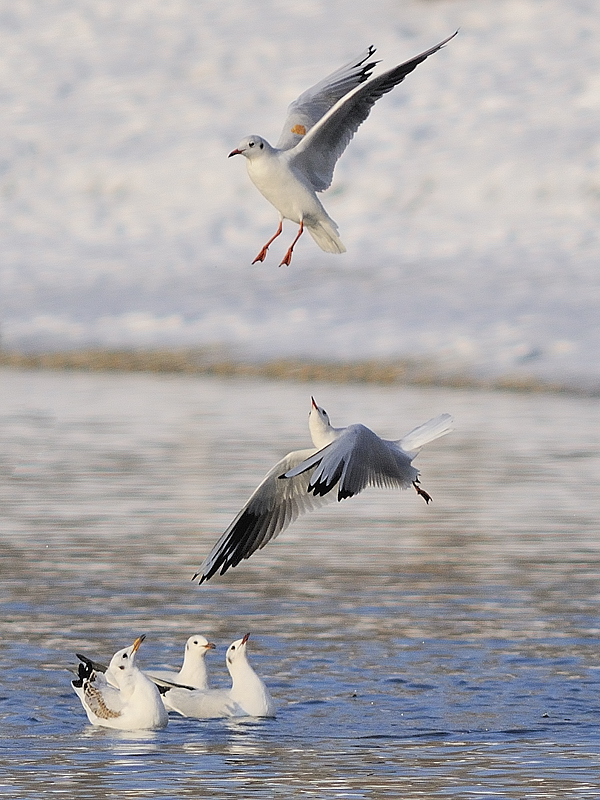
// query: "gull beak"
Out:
[314,405]
[138,642]
[245,639]
[235,152]
[210,646]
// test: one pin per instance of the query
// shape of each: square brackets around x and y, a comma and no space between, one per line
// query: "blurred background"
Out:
[469,201]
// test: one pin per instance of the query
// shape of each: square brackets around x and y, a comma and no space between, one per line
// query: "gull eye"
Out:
[233,647]
[250,144]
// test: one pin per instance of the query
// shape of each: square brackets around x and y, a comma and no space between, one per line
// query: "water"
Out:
[446,651]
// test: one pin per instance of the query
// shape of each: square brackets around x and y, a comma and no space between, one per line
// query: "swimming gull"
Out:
[193,669]
[248,696]
[130,702]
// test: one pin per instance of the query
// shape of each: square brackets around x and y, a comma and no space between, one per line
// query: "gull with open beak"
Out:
[247,697]
[346,459]
[123,697]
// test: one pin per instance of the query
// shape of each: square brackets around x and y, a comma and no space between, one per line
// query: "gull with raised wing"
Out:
[193,670]
[129,702]
[317,130]
[348,459]
[248,696]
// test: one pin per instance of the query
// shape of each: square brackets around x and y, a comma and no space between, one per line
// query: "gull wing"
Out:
[98,697]
[425,433]
[358,458]
[273,506]
[316,154]
[308,109]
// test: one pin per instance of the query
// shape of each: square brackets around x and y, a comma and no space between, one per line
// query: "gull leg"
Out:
[288,256]
[263,253]
[427,497]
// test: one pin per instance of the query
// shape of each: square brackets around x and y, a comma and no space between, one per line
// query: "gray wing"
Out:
[316,154]
[273,506]
[308,109]
[359,458]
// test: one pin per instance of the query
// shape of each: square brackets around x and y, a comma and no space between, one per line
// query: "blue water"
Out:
[414,651]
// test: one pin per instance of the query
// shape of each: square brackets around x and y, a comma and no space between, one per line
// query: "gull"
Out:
[193,669]
[318,128]
[192,674]
[130,701]
[348,459]
[248,696]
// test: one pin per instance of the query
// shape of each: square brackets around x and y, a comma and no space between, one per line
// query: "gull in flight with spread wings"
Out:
[348,459]
[317,130]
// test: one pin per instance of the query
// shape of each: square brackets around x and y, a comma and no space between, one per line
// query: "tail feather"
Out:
[425,433]
[325,234]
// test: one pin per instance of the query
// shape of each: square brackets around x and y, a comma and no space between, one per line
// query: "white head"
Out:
[319,425]
[122,665]
[251,147]
[236,654]
[197,647]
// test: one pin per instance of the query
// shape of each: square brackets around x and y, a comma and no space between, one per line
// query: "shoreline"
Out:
[407,372]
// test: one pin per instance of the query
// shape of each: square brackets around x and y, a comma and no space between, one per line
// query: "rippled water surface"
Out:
[414,651]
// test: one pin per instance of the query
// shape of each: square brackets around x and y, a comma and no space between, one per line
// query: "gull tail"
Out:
[425,433]
[325,234]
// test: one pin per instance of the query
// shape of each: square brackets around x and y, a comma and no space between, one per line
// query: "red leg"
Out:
[425,495]
[263,253]
[288,256]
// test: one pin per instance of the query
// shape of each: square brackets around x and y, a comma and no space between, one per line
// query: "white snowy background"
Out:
[469,201]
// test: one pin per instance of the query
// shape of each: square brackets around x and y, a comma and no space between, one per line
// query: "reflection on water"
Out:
[448,650]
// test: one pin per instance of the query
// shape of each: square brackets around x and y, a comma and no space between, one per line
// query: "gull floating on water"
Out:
[348,459]
[318,128]
[192,674]
[248,696]
[130,702]
[193,669]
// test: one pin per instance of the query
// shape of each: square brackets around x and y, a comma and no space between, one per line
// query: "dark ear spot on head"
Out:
[261,145]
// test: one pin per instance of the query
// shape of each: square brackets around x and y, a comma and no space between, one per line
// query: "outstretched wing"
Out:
[308,109]
[272,507]
[358,458]
[316,154]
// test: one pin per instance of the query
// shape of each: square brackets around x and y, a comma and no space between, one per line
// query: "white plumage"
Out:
[348,459]
[318,128]
[193,670]
[129,702]
[248,696]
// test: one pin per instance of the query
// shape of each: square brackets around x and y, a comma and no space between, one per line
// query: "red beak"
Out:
[245,639]
[235,152]
[312,400]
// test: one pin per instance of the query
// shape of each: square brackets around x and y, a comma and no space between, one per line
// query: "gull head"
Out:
[237,651]
[251,147]
[122,664]
[319,425]
[198,643]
